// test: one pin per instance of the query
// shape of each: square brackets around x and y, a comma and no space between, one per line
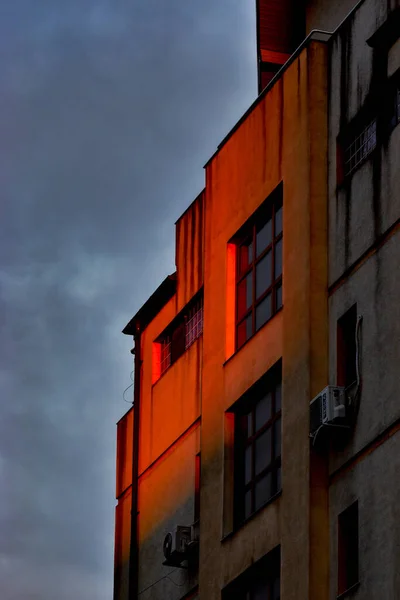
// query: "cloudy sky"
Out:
[108,111]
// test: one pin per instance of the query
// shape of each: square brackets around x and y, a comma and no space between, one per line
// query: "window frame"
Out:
[246,406]
[265,571]
[267,212]
[348,551]
[180,334]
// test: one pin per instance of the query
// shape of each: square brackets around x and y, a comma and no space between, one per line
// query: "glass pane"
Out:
[276,589]
[245,255]
[261,591]
[263,311]
[263,274]
[263,451]
[249,419]
[278,297]
[245,330]
[264,237]
[277,437]
[262,491]
[278,259]
[278,220]
[247,504]
[247,465]
[278,397]
[263,410]
[279,479]
[245,294]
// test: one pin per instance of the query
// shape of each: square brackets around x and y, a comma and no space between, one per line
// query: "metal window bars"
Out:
[360,147]
[165,359]
[194,323]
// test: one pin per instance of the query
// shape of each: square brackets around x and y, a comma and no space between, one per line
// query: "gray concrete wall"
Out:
[364,263]
[375,483]
[367,204]
[327,14]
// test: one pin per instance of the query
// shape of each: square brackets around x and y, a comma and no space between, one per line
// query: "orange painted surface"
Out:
[282,139]
[124,453]
[189,251]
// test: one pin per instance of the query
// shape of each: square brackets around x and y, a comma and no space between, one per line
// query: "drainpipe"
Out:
[134,545]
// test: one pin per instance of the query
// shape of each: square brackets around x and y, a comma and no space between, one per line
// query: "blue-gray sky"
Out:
[108,111]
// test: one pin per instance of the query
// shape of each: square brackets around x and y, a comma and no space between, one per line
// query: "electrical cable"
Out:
[161,579]
[356,399]
[128,388]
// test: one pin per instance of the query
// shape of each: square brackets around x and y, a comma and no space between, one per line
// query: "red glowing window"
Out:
[259,268]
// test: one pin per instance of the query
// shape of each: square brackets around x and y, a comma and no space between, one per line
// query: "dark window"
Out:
[347,348]
[259,268]
[348,548]
[260,582]
[181,334]
[359,146]
[258,445]
[395,107]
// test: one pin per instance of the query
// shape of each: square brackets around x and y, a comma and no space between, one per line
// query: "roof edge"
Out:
[159,298]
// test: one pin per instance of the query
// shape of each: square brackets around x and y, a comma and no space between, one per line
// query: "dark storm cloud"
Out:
[108,110]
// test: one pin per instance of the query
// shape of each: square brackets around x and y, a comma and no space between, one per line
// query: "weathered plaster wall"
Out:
[282,139]
[375,483]
[189,251]
[364,257]
[327,14]
[166,499]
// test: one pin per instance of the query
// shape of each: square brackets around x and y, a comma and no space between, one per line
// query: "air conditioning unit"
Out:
[328,408]
[175,545]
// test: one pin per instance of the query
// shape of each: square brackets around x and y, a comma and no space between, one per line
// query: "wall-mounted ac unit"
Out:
[176,544]
[328,408]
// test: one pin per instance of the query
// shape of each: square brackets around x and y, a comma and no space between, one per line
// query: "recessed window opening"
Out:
[347,348]
[359,147]
[259,268]
[258,445]
[180,335]
[348,548]
[261,581]
[194,322]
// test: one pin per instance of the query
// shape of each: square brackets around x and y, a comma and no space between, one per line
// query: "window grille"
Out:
[360,147]
[194,323]
[165,353]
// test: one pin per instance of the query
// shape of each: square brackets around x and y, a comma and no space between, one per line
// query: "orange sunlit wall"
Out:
[184,409]
[170,411]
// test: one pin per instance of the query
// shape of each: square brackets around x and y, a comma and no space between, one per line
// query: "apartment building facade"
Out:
[236,477]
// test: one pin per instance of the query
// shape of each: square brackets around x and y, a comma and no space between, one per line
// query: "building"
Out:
[286,282]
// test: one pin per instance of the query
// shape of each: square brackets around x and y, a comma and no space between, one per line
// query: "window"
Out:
[257,476]
[395,108]
[347,348]
[348,548]
[359,146]
[194,322]
[179,336]
[260,582]
[259,268]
